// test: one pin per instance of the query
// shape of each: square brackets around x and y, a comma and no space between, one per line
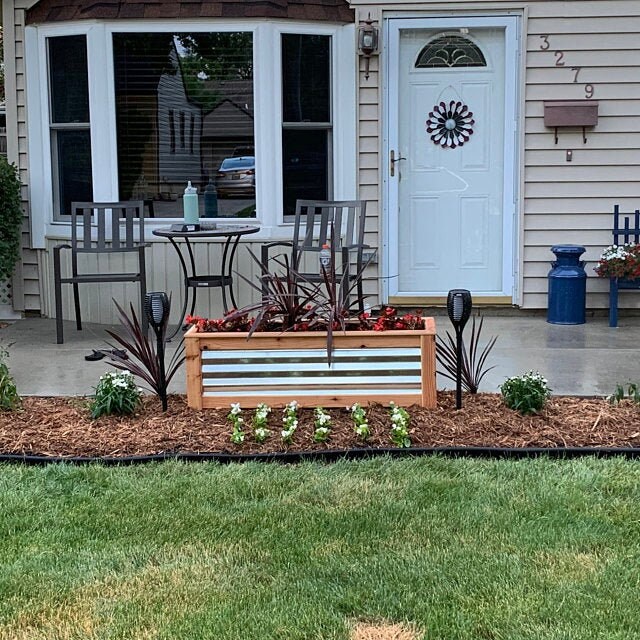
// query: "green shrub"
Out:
[526,393]
[116,394]
[10,218]
[9,398]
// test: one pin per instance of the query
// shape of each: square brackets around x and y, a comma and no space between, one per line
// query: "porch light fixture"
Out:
[367,42]
[459,309]
[156,308]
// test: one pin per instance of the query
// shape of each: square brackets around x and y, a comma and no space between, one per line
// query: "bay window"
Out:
[248,109]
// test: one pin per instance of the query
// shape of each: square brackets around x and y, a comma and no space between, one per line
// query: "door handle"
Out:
[392,162]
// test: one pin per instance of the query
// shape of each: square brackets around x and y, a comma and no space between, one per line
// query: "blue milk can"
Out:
[567,286]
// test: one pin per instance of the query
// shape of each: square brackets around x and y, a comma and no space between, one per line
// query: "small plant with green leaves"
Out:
[260,418]
[360,422]
[9,398]
[289,422]
[322,423]
[526,394]
[116,394]
[632,393]
[237,422]
[400,420]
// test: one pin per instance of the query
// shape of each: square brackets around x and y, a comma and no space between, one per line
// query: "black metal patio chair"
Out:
[106,228]
[314,224]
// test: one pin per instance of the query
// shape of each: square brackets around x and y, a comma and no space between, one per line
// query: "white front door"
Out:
[451,147]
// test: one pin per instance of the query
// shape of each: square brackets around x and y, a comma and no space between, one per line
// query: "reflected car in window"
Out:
[237,177]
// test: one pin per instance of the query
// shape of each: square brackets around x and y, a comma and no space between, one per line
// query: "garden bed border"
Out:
[333,455]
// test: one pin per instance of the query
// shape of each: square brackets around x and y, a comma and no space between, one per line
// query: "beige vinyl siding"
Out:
[26,282]
[571,202]
[560,201]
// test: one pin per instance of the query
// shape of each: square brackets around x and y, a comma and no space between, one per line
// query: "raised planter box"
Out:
[276,368]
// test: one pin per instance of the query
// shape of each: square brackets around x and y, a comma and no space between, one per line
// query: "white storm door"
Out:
[451,106]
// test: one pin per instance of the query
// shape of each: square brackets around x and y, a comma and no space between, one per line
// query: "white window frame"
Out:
[268,117]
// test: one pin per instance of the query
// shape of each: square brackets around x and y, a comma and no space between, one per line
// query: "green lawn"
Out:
[461,549]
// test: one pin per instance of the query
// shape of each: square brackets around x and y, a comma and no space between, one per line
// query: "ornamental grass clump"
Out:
[116,394]
[526,394]
[619,261]
[145,360]
[474,359]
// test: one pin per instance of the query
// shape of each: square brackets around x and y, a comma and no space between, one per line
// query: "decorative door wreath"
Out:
[450,126]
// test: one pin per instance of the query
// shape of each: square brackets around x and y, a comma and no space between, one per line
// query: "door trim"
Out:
[391,51]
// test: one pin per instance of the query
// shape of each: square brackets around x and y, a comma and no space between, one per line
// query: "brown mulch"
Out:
[62,427]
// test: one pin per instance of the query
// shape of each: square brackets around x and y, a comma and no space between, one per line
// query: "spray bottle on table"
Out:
[325,257]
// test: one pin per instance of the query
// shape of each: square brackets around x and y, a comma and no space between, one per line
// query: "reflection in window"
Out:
[451,51]
[72,151]
[184,104]
[307,122]
[305,166]
[70,136]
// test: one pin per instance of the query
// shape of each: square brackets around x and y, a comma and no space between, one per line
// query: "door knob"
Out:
[392,162]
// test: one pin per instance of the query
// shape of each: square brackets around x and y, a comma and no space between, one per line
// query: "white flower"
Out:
[235,408]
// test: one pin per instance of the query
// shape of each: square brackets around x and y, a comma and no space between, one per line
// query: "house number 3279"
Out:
[545,45]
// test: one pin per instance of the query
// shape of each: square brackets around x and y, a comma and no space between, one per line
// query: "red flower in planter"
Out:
[386,321]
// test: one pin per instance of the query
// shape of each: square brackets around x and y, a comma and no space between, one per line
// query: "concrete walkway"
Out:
[586,359]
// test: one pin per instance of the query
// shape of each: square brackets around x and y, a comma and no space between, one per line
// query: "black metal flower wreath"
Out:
[450,126]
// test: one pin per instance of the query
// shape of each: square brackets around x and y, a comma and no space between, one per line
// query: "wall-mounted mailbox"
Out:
[571,113]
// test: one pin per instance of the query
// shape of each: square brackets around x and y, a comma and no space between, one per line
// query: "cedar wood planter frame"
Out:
[276,368]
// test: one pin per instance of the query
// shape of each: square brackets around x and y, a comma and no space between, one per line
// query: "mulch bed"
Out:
[62,427]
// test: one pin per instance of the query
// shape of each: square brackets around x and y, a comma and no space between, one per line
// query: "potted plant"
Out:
[619,261]
[305,344]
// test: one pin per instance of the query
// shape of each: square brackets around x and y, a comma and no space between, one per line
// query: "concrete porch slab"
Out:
[588,359]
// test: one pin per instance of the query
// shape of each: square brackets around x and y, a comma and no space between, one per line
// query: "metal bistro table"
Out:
[192,281]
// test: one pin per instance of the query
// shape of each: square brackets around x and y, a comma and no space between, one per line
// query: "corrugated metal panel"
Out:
[353,371]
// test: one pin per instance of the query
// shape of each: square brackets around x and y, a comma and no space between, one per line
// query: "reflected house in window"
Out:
[179,131]
[159,126]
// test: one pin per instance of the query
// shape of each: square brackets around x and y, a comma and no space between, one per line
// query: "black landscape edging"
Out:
[332,455]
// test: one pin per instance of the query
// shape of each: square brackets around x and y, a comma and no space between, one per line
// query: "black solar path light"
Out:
[156,308]
[459,309]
